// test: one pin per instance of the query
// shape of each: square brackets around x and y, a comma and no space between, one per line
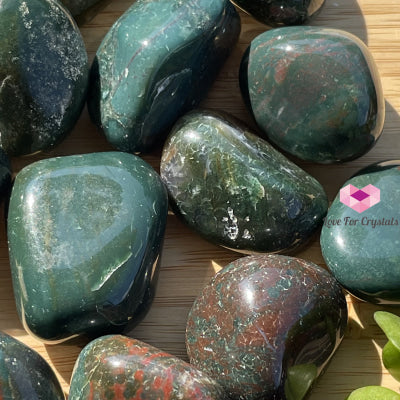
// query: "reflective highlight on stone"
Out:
[43,75]
[265,326]
[157,62]
[281,12]
[314,92]
[24,374]
[119,367]
[362,249]
[234,189]
[85,236]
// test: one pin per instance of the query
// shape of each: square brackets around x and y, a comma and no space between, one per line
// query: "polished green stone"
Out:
[118,367]
[76,7]
[314,92]
[85,236]
[281,12]
[43,75]
[237,191]
[157,62]
[363,249]
[24,374]
[266,326]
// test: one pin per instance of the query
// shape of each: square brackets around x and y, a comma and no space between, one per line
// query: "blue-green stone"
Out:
[157,62]
[85,236]
[314,92]
[266,326]
[234,189]
[43,75]
[363,249]
[281,12]
[24,374]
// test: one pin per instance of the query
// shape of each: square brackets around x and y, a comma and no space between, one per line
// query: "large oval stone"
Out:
[266,326]
[281,12]
[314,92]
[119,367]
[43,75]
[157,62]
[360,239]
[237,191]
[85,236]
[24,374]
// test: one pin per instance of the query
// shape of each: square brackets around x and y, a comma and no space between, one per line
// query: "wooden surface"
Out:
[188,261]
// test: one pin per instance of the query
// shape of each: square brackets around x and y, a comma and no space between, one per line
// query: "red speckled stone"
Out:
[117,368]
[263,319]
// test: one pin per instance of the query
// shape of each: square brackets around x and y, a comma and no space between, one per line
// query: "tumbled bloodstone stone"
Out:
[24,374]
[266,326]
[281,12]
[360,238]
[5,176]
[157,62]
[85,236]
[235,190]
[43,75]
[117,367]
[314,92]
[78,6]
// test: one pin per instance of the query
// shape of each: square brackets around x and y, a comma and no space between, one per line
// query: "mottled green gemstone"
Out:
[362,249]
[85,236]
[157,62]
[237,191]
[281,12]
[76,7]
[24,374]
[266,326]
[314,92]
[118,367]
[43,75]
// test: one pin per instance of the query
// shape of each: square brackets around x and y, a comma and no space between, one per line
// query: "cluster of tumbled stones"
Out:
[266,325]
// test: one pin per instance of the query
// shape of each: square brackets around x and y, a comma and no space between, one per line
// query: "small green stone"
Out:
[24,374]
[157,62]
[281,12]
[236,190]
[118,367]
[314,92]
[363,249]
[43,75]
[85,236]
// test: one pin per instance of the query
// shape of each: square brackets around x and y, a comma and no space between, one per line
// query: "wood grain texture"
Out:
[188,261]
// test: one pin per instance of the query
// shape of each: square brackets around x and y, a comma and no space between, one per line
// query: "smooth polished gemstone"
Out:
[24,374]
[360,239]
[266,326]
[118,367]
[281,12]
[43,75]
[314,92]
[76,7]
[85,236]
[157,62]
[237,191]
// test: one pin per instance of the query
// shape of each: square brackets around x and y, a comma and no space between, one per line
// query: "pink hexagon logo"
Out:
[360,199]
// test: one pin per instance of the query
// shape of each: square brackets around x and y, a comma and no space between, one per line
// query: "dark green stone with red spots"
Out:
[266,326]
[281,12]
[314,92]
[24,374]
[117,367]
